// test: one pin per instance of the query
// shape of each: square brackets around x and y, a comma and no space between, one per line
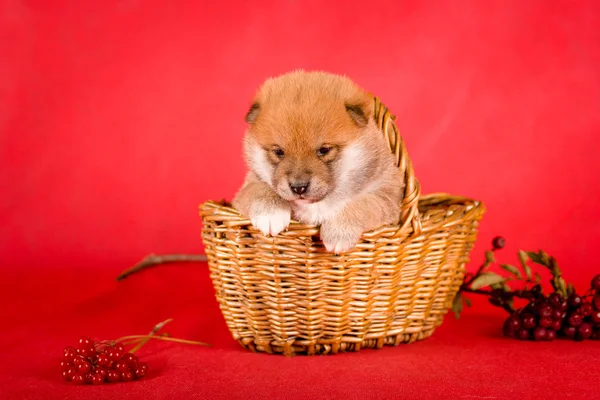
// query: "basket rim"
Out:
[470,208]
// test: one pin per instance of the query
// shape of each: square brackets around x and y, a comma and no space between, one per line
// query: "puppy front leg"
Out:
[342,233]
[268,212]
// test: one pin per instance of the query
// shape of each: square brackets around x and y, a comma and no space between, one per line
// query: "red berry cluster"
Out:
[99,362]
[546,317]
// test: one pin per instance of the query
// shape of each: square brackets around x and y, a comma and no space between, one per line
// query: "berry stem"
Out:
[153,332]
[479,271]
[153,260]
[164,338]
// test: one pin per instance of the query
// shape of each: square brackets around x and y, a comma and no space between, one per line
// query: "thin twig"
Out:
[153,260]
[153,332]
[522,294]
[166,339]
[515,293]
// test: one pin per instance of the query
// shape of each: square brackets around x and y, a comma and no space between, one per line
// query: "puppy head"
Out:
[309,135]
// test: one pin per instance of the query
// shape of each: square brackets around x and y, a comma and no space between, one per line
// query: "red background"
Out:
[117,118]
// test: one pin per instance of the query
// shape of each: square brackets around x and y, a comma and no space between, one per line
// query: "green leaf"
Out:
[538,278]
[457,305]
[539,257]
[523,258]
[528,271]
[563,286]
[489,257]
[570,289]
[486,279]
[554,267]
[468,302]
[512,270]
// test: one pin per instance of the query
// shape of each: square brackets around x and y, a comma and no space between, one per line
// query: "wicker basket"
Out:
[285,294]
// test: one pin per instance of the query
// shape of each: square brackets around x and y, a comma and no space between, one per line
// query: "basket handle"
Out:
[412,190]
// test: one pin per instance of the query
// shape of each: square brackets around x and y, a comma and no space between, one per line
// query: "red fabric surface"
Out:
[44,311]
[118,117]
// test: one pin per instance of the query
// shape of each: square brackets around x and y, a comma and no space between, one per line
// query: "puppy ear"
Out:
[359,113]
[252,113]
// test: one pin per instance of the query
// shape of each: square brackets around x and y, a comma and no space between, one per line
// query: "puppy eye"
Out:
[323,151]
[279,152]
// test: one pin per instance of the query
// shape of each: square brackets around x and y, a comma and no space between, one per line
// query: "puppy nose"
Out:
[299,188]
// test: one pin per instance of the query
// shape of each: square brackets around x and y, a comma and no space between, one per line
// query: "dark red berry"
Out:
[69,373]
[103,360]
[546,311]
[69,354]
[141,370]
[131,359]
[114,354]
[575,320]
[86,351]
[556,325]
[97,379]
[586,309]
[563,315]
[508,331]
[79,359]
[528,321]
[584,331]
[539,333]
[121,367]
[83,367]
[103,371]
[575,300]
[536,290]
[113,376]
[570,331]
[596,317]
[120,348]
[85,342]
[78,379]
[64,365]
[545,322]
[550,335]
[85,347]
[596,282]
[596,302]
[523,334]
[555,300]
[557,314]
[498,243]
[513,322]
[127,376]
[564,306]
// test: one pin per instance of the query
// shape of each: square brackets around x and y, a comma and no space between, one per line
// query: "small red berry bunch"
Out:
[546,317]
[562,313]
[96,363]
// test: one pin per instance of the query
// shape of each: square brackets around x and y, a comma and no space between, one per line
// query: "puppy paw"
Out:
[272,219]
[339,238]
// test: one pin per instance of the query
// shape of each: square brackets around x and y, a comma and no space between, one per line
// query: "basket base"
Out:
[321,347]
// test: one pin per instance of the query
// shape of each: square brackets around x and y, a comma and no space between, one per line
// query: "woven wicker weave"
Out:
[285,294]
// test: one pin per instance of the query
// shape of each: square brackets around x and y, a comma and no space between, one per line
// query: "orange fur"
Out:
[315,153]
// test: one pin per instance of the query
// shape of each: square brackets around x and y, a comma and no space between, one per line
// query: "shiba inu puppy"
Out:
[315,154]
